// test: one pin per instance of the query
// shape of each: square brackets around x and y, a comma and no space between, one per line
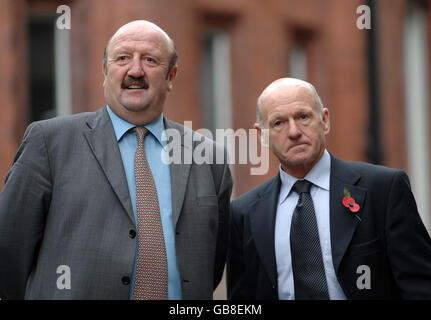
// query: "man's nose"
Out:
[136,69]
[294,132]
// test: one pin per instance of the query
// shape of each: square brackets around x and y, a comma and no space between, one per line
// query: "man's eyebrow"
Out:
[274,116]
[129,50]
[305,109]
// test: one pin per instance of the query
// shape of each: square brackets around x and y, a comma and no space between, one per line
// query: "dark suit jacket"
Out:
[391,238]
[66,202]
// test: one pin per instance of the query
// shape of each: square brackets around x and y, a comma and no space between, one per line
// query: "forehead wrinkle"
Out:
[288,110]
[143,33]
[279,100]
[281,94]
[154,50]
[133,38]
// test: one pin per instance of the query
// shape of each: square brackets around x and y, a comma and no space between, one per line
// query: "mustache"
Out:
[132,81]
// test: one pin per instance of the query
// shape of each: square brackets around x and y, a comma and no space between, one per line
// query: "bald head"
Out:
[283,89]
[142,26]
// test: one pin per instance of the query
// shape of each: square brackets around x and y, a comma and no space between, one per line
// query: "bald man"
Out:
[323,228]
[89,209]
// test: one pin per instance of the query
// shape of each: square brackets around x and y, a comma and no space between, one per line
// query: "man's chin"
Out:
[303,159]
[135,107]
[299,159]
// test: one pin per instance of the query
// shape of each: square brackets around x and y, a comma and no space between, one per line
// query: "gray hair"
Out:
[316,96]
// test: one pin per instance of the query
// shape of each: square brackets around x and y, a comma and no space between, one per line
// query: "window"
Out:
[216,81]
[417,105]
[298,62]
[298,54]
[41,67]
[49,68]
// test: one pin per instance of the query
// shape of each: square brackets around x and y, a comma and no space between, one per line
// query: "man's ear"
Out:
[171,77]
[325,120]
[104,70]
[263,135]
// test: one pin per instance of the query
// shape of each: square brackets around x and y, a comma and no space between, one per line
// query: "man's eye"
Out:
[277,123]
[150,60]
[303,117]
[122,58]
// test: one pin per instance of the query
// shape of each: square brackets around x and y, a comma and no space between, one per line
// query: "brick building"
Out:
[374,81]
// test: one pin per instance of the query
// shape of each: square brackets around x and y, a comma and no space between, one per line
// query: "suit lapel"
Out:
[179,171]
[343,223]
[103,144]
[262,221]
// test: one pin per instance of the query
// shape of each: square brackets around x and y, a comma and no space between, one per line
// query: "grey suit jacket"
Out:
[66,203]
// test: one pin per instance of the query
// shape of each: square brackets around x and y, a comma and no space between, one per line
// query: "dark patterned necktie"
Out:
[151,279]
[307,263]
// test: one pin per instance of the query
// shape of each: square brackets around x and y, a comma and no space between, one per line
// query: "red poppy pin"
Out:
[350,203]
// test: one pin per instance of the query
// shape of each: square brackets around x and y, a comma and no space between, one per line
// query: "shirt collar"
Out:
[121,126]
[319,175]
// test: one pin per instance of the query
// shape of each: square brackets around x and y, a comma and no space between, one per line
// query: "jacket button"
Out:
[132,233]
[125,280]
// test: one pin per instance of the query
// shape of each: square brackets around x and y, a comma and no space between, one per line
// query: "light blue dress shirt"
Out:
[154,147]
[319,175]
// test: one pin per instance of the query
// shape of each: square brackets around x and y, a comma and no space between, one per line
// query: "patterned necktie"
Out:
[307,263]
[151,279]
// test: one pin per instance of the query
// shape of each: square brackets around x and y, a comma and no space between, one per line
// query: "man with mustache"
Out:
[89,209]
[323,228]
